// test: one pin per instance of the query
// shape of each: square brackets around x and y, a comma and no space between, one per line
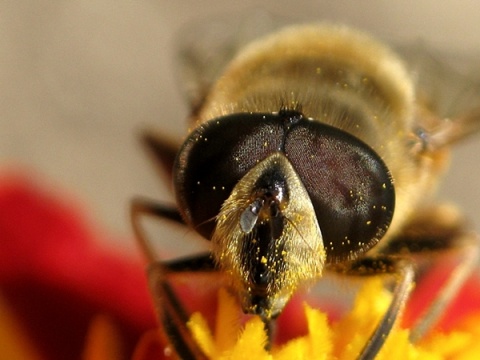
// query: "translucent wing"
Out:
[450,93]
[205,48]
[449,89]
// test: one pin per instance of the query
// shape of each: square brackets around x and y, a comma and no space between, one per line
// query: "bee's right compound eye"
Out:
[215,157]
[349,185]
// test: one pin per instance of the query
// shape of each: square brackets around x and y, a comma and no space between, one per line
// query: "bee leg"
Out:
[162,149]
[142,208]
[469,257]
[404,271]
[172,315]
[439,230]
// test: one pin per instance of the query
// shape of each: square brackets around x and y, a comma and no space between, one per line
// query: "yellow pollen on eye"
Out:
[368,222]
[263,260]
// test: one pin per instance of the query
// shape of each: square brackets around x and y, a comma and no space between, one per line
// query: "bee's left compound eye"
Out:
[349,185]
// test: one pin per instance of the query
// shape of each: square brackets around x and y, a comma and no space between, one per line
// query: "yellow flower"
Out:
[342,340]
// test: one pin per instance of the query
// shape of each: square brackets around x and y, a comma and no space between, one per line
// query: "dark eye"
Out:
[215,157]
[349,185]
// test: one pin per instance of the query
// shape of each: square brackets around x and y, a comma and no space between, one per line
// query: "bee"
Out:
[315,150]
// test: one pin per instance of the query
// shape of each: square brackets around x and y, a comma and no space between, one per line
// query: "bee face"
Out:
[281,196]
[267,237]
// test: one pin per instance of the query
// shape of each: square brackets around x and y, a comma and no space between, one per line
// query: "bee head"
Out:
[281,197]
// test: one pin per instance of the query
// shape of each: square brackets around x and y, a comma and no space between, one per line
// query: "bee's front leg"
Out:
[172,314]
[436,231]
[403,270]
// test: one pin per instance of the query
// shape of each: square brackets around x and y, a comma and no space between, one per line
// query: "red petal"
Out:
[56,274]
[466,302]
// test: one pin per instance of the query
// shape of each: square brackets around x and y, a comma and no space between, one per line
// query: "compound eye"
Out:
[215,157]
[349,185]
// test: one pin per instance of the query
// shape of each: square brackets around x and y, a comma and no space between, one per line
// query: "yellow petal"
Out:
[251,343]
[227,327]
[320,335]
[317,344]
[354,329]
[399,347]
[202,335]
[471,325]
[294,349]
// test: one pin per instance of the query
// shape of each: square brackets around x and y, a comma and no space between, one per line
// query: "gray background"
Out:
[78,79]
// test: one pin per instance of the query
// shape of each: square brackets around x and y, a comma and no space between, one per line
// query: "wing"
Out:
[448,91]
[448,88]
[206,47]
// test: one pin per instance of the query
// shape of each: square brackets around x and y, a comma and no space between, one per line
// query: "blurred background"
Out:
[80,79]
